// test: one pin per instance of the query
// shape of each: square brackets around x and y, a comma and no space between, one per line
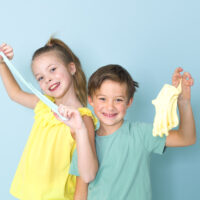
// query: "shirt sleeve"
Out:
[74,164]
[151,143]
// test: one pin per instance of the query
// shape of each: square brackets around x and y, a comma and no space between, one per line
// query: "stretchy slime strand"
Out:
[165,104]
[44,99]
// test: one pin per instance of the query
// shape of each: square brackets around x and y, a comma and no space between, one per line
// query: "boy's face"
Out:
[110,103]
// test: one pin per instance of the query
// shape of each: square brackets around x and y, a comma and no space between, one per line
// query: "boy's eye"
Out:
[119,100]
[102,99]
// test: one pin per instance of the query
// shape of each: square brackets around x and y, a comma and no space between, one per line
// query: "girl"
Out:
[43,170]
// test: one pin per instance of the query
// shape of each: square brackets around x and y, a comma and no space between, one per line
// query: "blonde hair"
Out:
[67,56]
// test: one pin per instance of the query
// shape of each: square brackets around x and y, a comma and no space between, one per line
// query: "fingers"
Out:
[3,45]
[56,116]
[187,79]
[177,72]
[178,69]
[63,111]
[7,50]
[66,111]
[177,76]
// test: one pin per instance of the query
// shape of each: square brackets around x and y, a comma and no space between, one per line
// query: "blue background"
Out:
[150,38]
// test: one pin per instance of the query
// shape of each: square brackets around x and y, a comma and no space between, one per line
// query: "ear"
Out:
[130,102]
[72,68]
[90,101]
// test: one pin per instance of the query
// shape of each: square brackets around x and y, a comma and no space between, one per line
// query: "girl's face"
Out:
[54,78]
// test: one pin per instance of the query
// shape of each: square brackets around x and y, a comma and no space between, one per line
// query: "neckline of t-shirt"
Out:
[113,134]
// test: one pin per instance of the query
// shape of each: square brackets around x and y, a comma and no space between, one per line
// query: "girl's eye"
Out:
[40,78]
[53,69]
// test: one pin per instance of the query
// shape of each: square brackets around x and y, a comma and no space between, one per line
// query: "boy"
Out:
[124,148]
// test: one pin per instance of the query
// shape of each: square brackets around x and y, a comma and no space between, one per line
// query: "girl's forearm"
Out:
[9,81]
[81,189]
[13,89]
[87,160]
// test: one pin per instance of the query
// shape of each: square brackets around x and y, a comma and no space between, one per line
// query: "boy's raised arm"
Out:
[186,133]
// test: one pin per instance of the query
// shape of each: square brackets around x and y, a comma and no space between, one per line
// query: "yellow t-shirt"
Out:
[42,173]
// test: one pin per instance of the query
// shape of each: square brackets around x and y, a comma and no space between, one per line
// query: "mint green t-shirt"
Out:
[124,163]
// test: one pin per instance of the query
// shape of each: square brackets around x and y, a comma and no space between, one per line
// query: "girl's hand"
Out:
[187,82]
[74,121]
[7,50]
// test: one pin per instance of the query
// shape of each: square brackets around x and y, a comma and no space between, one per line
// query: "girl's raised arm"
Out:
[12,87]
[85,137]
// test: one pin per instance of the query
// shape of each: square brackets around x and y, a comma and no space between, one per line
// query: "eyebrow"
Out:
[114,96]
[47,68]
[36,74]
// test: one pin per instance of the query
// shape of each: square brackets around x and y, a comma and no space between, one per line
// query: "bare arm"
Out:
[84,134]
[87,158]
[81,189]
[186,133]
[13,89]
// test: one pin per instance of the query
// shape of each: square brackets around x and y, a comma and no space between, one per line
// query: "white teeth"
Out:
[53,87]
[109,115]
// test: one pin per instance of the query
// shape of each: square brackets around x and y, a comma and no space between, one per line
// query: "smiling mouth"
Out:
[110,115]
[54,87]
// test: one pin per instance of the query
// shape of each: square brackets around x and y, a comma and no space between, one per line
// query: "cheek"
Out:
[97,107]
[42,86]
[66,77]
[123,108]
[64,73]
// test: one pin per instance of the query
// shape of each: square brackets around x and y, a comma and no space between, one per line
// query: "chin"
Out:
[111,123]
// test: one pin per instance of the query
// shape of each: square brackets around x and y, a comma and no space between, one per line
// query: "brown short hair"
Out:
[115,73]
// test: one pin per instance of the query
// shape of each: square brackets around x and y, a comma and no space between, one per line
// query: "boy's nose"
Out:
[110,105]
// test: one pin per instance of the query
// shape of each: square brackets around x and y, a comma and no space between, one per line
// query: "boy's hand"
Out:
[185,135]
[74,121]
[187,82]
[7,50]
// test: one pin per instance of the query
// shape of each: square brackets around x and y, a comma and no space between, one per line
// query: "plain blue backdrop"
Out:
[150,38]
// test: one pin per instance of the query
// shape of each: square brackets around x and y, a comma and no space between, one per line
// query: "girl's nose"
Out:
[48,79]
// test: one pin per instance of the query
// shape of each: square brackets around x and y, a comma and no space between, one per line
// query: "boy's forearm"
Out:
[187,123]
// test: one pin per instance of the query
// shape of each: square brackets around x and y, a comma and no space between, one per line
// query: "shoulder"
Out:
[87,115]
[139,130]
[85,111]
[40,106]
[139,127]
